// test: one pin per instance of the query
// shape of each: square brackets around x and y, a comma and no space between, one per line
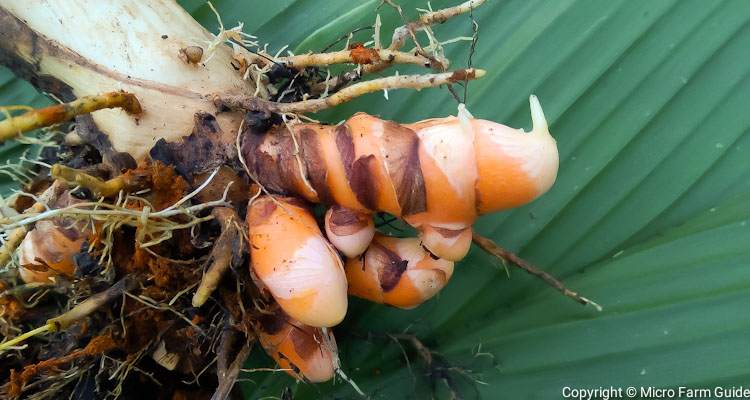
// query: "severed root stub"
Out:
[227,252]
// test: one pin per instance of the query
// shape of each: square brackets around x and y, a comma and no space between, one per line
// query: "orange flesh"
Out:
[301,185]
[336,180]
[503,183]
[444,203]
[304,189]
[363,129]
[299,304]
[280,346]
[363,283]
[292,223]
[278,229]
[404,295]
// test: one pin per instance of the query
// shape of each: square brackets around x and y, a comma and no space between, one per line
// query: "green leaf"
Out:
[648,101]
[14,91]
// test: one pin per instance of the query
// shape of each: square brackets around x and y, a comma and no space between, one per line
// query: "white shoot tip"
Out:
[464,119]
[463,112]
[538,121]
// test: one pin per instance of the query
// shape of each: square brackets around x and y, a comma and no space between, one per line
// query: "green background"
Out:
[650,104]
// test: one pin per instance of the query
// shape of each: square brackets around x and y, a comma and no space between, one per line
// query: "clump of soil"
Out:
[149,338]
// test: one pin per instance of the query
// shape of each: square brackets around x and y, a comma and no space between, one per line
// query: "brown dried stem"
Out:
[493,249]
[230,362]
[346,94]
[43,117]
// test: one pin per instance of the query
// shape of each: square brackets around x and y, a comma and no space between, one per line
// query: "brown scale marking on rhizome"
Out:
[271,157]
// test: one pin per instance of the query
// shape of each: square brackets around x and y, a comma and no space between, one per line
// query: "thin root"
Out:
[493,249]
[423,23]
[344,95]
[431,56]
